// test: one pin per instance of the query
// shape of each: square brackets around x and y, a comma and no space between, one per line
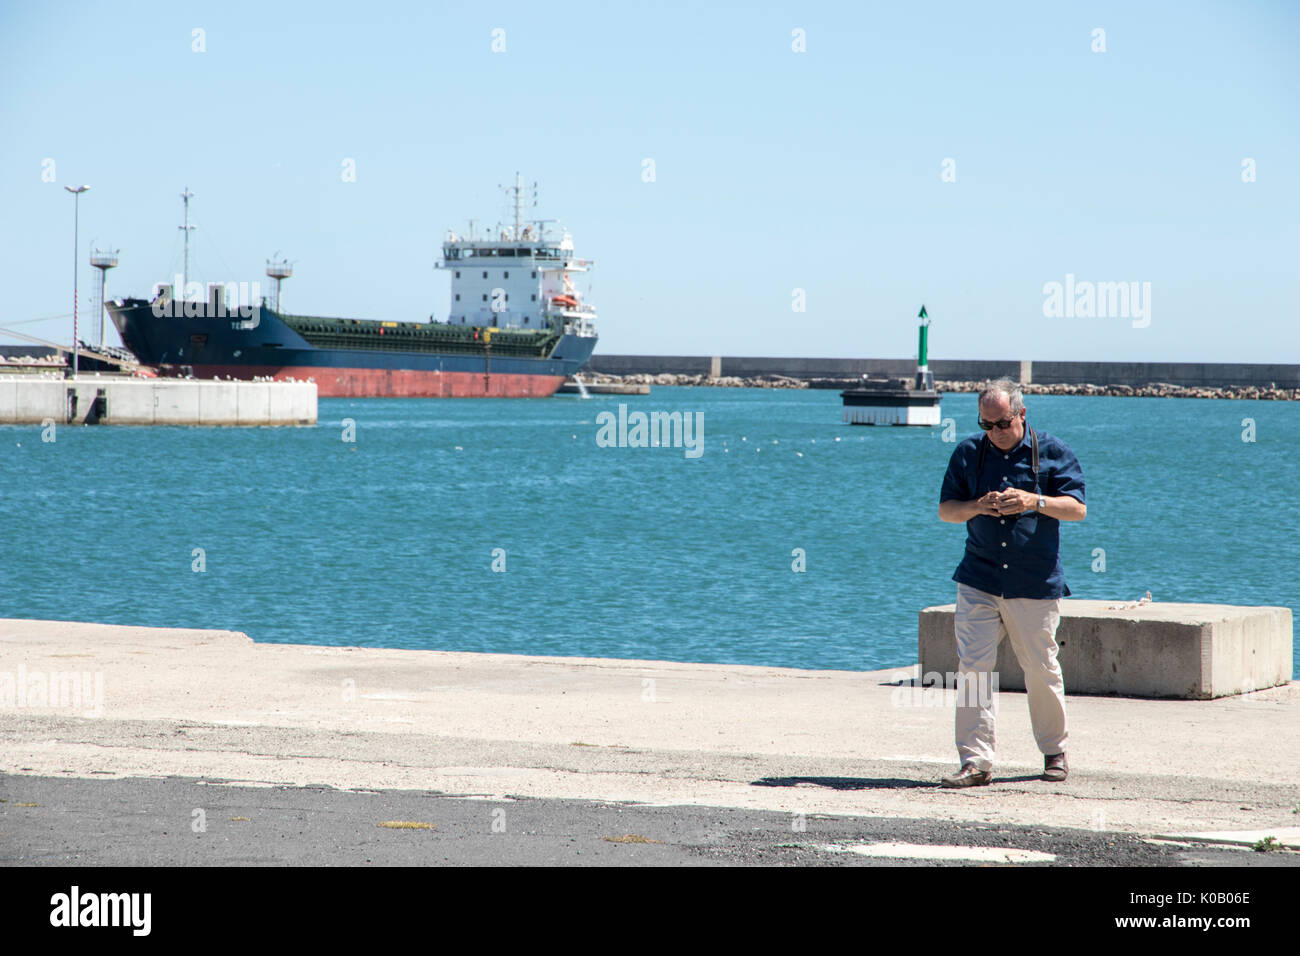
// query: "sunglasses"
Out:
[1000,423]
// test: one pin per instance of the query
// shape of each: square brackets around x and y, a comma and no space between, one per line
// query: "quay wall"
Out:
[90,400]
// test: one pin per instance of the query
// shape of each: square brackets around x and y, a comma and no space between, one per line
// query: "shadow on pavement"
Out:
[846,783]
[882,783]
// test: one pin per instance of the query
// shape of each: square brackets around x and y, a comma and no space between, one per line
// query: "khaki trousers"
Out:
[982,621]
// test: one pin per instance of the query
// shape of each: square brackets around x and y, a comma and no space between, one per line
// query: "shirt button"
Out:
[1004,544]
[1005,478]
[1003,521]
[1006,456]
[1004,567]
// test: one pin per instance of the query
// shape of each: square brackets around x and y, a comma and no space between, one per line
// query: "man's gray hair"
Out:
[1004,386]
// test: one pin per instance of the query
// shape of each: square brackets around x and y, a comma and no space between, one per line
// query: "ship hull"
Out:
[343,382]
[229,346]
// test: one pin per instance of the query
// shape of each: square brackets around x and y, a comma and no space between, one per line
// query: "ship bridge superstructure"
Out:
[517,276]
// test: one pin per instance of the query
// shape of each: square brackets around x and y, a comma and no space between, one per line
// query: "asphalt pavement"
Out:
[83,822]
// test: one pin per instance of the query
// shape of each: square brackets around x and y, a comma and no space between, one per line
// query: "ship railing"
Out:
[580,327]
[587,311]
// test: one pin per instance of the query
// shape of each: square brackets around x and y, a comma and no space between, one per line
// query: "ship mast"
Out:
[185,276]
[518,191]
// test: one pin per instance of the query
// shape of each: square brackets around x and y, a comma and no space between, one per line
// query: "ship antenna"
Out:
[185,278]
[519,189]
[517,200]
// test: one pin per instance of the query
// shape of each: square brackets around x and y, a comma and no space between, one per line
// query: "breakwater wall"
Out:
[1134,374]
[93,400]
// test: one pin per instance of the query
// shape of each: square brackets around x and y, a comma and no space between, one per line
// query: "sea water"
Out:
[506,526]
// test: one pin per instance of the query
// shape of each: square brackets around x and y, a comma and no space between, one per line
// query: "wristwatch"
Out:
[1042,504]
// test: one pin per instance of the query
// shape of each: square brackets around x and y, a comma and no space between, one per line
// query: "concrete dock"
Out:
[124,400]
[98,701]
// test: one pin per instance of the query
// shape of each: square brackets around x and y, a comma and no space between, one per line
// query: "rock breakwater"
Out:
[1149,390]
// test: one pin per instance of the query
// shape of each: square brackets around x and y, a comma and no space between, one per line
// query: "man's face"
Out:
[997,408]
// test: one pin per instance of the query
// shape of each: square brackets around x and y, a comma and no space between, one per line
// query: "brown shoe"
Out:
[969,776]
[1055,767]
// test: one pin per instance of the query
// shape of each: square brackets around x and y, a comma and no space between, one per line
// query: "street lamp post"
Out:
[76,211]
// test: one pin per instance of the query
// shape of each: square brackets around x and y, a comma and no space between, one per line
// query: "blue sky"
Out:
[774,170]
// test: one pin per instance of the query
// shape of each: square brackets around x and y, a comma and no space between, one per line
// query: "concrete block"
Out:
[130,403]
[1190,651]
[175,403]
[41,399]
[292,403]
[253,403]
[218,403]
[8,401]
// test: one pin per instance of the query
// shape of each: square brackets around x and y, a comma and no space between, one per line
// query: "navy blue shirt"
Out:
[1013,556]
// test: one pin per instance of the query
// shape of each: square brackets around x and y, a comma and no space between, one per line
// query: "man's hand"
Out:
[959,512]
[1012,501]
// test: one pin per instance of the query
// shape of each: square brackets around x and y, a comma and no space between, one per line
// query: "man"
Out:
[1010,582]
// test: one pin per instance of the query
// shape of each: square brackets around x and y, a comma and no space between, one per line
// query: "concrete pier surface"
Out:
[98,701]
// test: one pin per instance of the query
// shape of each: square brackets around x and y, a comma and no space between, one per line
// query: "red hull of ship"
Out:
[394,383]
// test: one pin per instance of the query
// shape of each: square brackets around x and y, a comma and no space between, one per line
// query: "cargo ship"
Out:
[517,326]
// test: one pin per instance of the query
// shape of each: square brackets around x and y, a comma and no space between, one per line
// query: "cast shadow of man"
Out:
[872,783]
